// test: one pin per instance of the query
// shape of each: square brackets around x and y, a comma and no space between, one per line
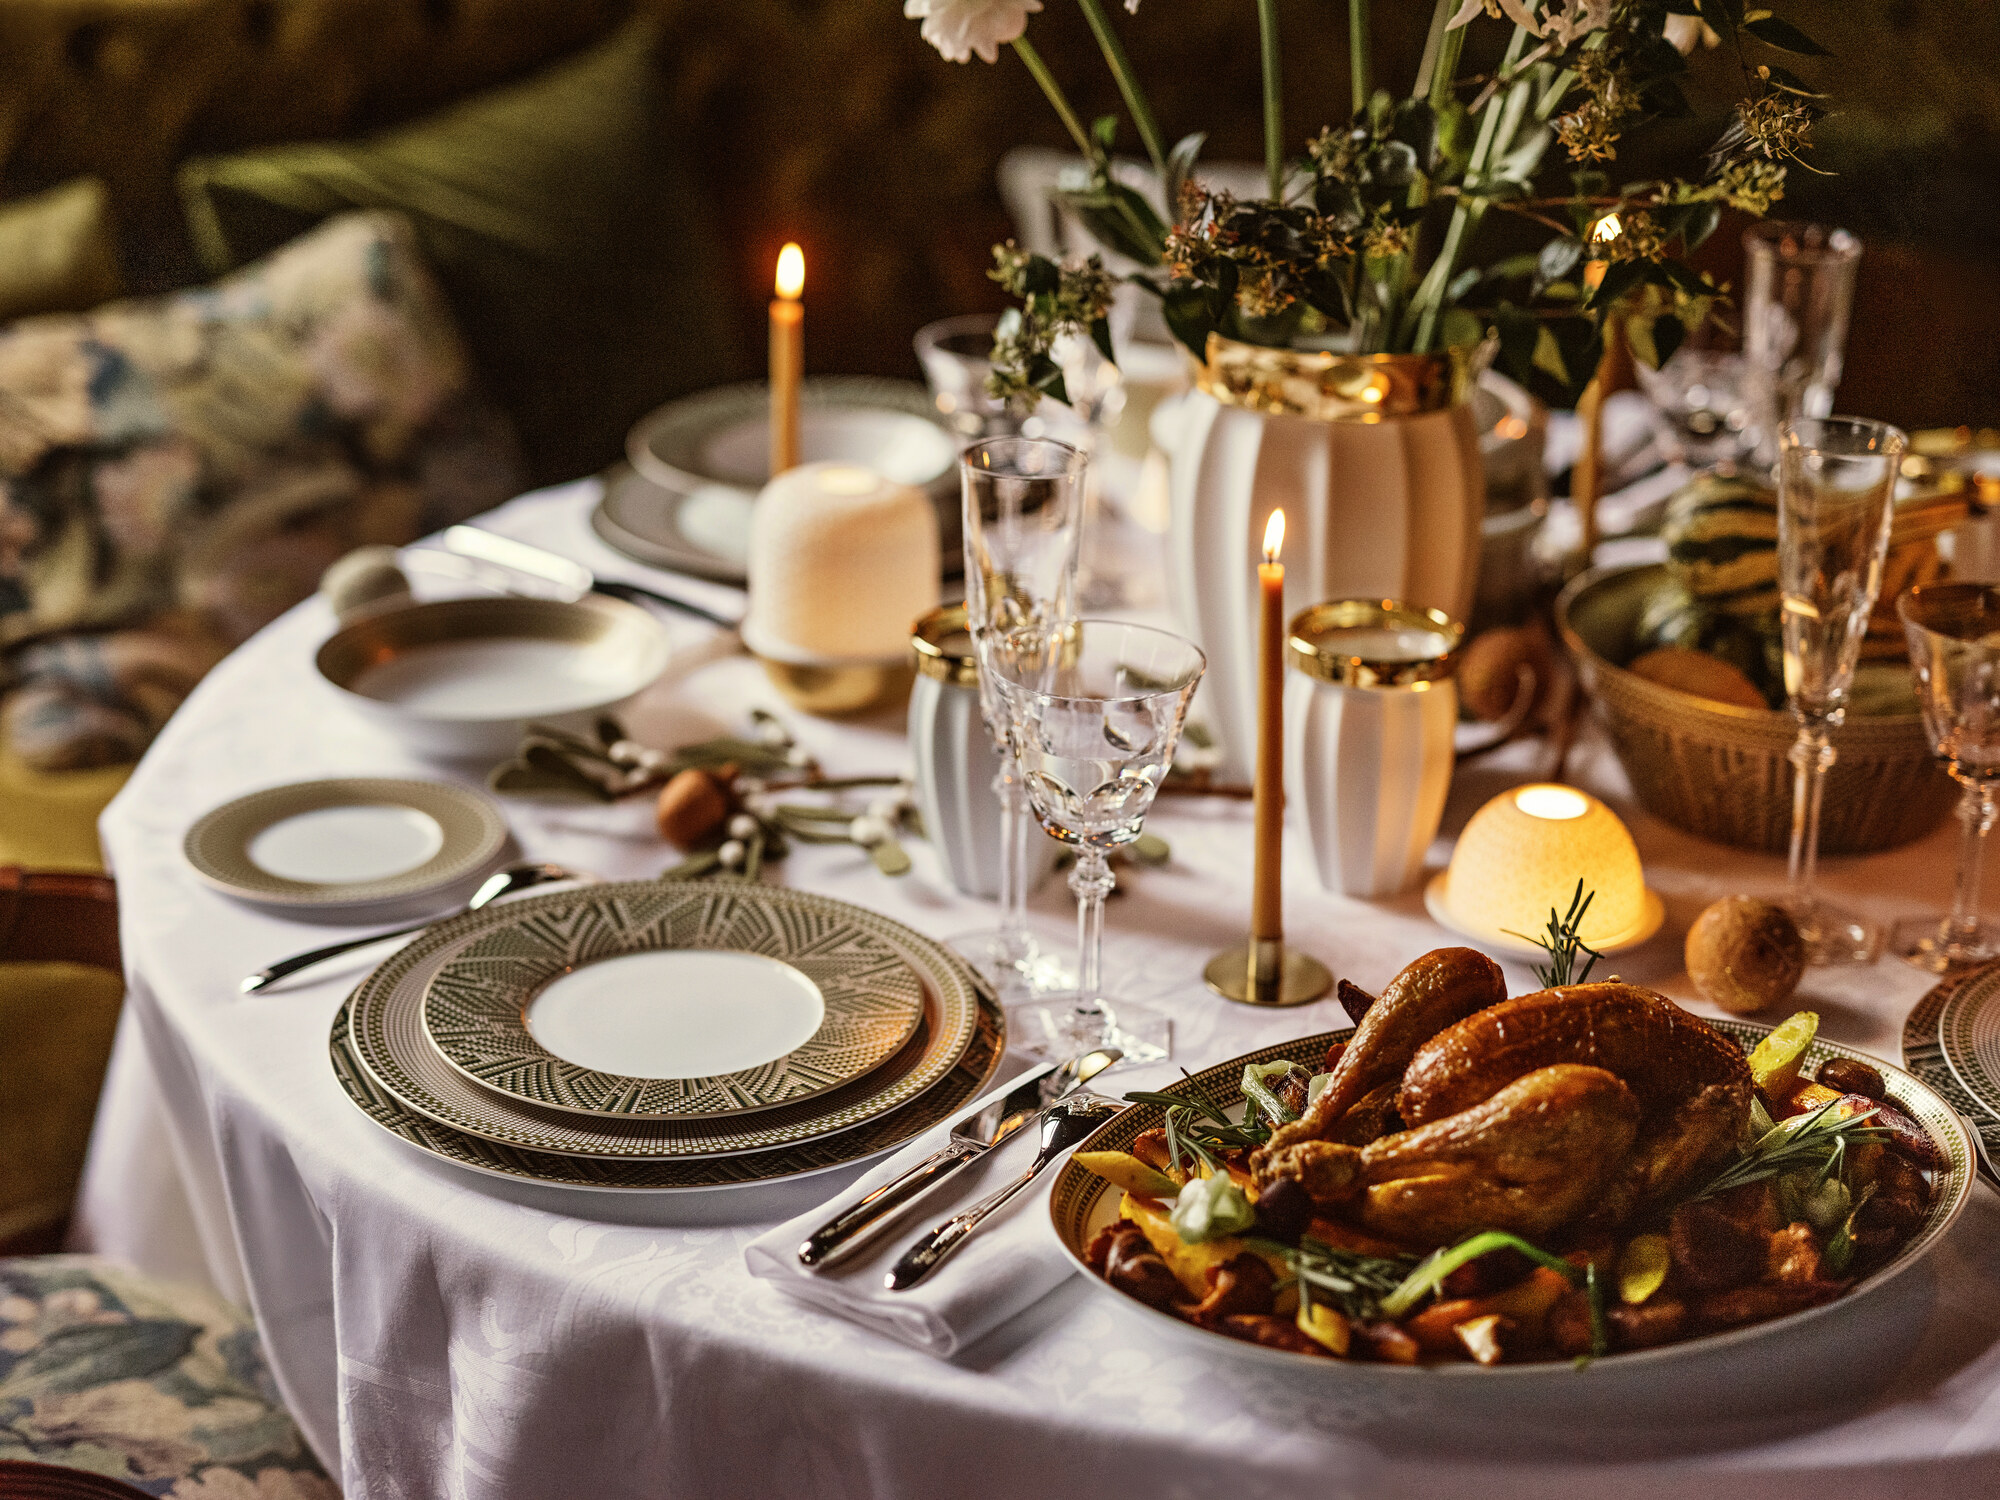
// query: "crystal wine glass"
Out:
[1953,631]
[1023,516]
[1836,493]
[1094,712]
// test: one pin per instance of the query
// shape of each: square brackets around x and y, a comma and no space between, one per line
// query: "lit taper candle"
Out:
[1267,902]
[788,358]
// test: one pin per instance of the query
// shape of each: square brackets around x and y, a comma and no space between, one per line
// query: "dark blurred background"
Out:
[833,123]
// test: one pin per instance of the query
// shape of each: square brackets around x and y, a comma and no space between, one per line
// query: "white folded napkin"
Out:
[1011,1261]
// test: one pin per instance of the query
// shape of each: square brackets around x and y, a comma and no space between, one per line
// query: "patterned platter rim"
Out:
[1957,1018]
[216,844]
[969,1077]
[1076,1193]
[475,1005]
[387,1037]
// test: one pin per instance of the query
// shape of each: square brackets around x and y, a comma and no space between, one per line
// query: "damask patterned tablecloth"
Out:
[442,1334]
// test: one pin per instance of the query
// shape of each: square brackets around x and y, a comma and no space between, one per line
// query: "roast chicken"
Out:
[1454,1109]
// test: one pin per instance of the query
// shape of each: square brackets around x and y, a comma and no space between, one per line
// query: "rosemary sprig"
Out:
[1349,1280]
[1563,941]
[1196,1128]
[1816,1142]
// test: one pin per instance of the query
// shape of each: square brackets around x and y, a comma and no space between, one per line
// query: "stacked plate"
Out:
[662,1036]
[1952,1041]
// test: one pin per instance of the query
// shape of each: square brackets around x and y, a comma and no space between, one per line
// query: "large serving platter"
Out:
[387,1037]
[968,1077]
[794,994]
[1081,1204]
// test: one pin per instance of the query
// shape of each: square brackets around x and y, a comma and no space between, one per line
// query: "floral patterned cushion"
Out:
[164,1387]
[176,472]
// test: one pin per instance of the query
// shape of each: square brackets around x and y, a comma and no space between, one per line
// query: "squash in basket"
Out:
[1722,544]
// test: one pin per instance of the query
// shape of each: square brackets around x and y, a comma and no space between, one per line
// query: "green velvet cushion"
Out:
[58,251]
[560,220]
[164,1387]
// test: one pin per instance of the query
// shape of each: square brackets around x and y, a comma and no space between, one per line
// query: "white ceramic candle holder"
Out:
[1369,711]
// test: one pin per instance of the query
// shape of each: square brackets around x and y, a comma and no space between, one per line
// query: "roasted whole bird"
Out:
[1590,1167]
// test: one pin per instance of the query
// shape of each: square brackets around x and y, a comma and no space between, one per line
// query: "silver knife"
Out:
[572,577]
[971,1139]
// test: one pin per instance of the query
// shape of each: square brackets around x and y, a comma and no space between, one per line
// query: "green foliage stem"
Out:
[1025,50]
[1274,109]
[1128,84]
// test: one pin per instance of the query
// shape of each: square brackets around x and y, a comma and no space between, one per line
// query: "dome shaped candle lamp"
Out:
[1520,858]
[841,561]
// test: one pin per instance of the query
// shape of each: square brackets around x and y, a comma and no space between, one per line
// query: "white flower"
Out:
[1578,19]
[959,28]
[1684,31]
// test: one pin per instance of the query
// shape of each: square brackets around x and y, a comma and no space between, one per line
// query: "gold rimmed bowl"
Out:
[462,677]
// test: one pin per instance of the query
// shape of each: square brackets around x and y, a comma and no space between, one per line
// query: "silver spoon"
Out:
[502,883]
[1064,1124]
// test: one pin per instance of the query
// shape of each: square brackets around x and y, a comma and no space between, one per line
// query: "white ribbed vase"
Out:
[1369,713]
[1375,461]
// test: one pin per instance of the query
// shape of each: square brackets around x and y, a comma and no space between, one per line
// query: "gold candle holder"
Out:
[1264,971]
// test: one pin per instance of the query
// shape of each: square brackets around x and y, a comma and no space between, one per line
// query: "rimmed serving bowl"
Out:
[1819,1356]
[463,677]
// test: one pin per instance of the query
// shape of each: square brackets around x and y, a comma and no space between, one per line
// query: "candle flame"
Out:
[1274,536]
[1608,229]
[791,272]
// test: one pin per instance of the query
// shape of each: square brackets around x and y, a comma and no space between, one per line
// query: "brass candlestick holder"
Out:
[1263,971]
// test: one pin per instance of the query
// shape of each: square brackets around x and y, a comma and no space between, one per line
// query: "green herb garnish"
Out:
[1349,1280]
[1562,942]
[1261,1094]
[1435,1267]
[1816,1143]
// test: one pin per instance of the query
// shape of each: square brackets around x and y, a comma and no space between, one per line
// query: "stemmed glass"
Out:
[1023,517]
[1953,631]
[1094,712]
[1836,493]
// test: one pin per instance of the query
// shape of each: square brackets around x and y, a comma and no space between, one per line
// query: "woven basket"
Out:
[1720,771]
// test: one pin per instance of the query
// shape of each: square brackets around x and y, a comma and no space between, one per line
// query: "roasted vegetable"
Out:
[1774,1062]
[1123,1170]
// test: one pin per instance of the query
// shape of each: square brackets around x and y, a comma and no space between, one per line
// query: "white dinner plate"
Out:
[347,844]
[675,1001]
[1968,1033]
[386,1033]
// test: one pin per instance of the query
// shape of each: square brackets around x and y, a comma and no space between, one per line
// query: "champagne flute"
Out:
[1023,501]
[1953,631]
[1836,495]
[1094,711]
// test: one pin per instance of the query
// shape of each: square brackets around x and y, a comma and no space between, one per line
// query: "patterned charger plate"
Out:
[967,1078]
[386,1034]
[477,1008]
[1923,1054]
[1968,1036]
[351,841]
[1081,1204]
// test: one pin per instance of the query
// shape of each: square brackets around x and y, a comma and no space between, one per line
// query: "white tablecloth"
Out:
[441,1334]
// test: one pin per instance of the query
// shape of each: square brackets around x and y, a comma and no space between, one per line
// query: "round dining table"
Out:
[438,1333]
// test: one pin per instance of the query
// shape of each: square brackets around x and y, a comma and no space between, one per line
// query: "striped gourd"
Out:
[1722,544]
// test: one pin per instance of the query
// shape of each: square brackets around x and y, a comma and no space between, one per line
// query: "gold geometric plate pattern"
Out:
[386,1033]
[218,845]
[965,1081]
[475,1006]
[1078,1209]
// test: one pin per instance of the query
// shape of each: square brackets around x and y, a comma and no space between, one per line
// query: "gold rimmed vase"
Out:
[1374,458]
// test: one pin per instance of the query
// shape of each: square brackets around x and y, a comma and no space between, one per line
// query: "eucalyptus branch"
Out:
[1128,85]
[1428,303]
[1274,110]
[1028,55]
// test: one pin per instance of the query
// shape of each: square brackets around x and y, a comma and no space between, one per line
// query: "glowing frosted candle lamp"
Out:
[1523,854]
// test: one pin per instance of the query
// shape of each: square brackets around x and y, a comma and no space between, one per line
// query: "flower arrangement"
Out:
[1366,241]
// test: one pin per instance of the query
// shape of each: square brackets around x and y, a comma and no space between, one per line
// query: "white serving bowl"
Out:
[461,678]
[1808,1360]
